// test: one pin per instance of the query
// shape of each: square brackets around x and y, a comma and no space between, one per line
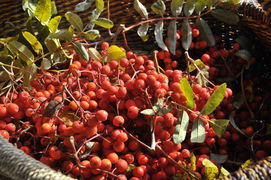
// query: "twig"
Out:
[179,165]
[188,58]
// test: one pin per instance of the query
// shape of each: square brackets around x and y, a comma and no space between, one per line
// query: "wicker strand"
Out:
[16,165]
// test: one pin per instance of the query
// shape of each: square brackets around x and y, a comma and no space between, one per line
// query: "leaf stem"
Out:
[188,58]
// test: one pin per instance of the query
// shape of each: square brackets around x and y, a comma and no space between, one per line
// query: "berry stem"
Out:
[189,59]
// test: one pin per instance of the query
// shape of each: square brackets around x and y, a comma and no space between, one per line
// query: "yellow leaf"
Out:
[210,169]
[247,163]
[68,118]
[223,173]
[36,45]
[115,53]
[193,162]
[197,62]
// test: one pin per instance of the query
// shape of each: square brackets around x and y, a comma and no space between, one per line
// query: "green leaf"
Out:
[198,132]
[193,161]
[234,124]
[74,20]
[210,169]
[226,16]
[172,28]
[52,44]
[189,8]
[187,35]
[43,11]
[99,5]
[62,35]
[33,41]
[244,54]
[82,6]
[159,7]
[142,31]
[24,53]
[200,5]
[181,128]
[219,126]
[198,63]
[188,93]
[176,7]
[148,112]
[164,110]
[244,42]
[103,22]
[215,99]
[45,64]
[141,9]
[53,23]
[205,31]
[115,53]
[92,34]
[219,158]
[54,8]
[158,32]
[94,54]
[81,51]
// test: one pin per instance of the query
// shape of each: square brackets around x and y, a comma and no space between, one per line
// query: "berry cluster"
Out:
[88,123]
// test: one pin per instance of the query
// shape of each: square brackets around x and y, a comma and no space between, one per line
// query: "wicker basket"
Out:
[254,19]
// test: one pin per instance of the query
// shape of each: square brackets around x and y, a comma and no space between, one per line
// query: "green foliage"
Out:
[158,33]
[187,35]
[188,93]
[181,128]
[41,43]
[176,7]
[198,131]
[226,16]
[74,20]
[215,99]
[141,9]
[159,7]
[142,32]
[172,28]
[205,31]
[36,45]
[103,22]
[219,126]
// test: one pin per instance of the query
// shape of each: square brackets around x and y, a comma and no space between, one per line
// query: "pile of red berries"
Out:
[87,121]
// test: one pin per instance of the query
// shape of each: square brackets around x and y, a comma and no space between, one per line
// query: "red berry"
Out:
[121,165]
[101,115]
[118,121]
[12,108]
